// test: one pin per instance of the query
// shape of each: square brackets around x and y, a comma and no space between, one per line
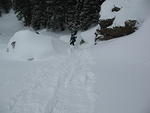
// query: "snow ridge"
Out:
[64,84]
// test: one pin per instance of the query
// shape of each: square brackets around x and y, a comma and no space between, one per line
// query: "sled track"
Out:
[61,85]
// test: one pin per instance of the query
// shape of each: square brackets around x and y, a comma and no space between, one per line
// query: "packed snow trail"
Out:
[63,84]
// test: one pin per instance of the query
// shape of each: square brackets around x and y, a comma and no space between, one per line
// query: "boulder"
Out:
[115,32]
[106,33]
[106,23]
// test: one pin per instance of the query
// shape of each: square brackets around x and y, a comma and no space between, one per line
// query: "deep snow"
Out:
[57,76]
[111,77]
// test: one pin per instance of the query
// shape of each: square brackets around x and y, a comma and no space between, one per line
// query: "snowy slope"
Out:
[123,73]
[111,77]
[62,82]
[57,85]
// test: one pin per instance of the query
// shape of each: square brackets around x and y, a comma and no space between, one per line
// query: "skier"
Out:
[73,38]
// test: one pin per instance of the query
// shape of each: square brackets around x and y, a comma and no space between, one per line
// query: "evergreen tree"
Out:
[50,12]
[56,14]
[5,6]
[90,14]
[83,13]
[23,10]
[72,15]
[39,17]
[0,9]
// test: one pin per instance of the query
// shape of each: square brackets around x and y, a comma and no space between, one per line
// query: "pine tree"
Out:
[73,15]
[56,14]
[23,10]
[5,6]
[89,14]
[58,19]
[39,17]
[50,12]
[83,13]
[0,9]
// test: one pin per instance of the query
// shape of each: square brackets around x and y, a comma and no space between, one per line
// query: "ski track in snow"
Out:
[64,84]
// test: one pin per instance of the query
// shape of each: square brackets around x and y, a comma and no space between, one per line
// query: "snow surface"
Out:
[122,73]
[111,77]
[44,85]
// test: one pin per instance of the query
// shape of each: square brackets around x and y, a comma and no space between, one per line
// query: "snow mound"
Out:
[29,45]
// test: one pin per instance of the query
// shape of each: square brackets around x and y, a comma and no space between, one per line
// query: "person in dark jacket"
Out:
[73,38]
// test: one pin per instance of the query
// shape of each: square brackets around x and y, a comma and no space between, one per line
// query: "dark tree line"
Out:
[72,15]
[5,6]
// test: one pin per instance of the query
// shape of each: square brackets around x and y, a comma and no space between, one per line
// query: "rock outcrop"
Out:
[106,33]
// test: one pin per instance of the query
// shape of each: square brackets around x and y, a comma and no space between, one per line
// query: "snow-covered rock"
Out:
[130,9]
[29,45]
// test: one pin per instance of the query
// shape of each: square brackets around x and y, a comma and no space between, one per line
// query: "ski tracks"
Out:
[64,84]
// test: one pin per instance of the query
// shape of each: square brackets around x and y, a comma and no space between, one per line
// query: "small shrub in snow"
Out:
[82,42]
[30,59]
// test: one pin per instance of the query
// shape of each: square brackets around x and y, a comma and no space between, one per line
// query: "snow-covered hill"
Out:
[111,77]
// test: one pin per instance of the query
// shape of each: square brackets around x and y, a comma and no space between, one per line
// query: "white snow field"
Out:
[43,74]
[122,73]
[57,80]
